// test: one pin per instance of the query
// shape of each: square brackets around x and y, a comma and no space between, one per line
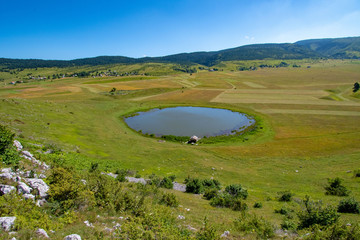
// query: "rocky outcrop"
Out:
[72,237]
[39,185]
[7,223]
[30,157]
[6,189]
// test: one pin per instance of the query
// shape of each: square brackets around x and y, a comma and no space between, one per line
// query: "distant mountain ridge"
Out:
[347,48]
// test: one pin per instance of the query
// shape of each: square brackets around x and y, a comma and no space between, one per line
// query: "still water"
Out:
[188,121]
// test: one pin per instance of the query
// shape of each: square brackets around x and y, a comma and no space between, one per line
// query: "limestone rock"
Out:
[29,196]
[6,175]
[40,202]
[88,224]
[18,145]
[7,222]
[27,155]
[23,188]
[42,233]
[136,180]
[225,234]
[72,237]
[39,185]
[5,189]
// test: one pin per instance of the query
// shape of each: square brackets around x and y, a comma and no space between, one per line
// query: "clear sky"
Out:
[69,29]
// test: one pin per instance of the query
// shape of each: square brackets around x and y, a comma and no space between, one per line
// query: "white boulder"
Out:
[23,188]
[72,237]
[7,222]
[39,185]
[18,145]
[42,233]
[6,189]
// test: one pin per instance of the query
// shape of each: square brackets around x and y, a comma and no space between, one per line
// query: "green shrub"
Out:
[253,223]
[258,205]
[223,199]
[288,225]
[155,180]
[338,231]
[169,199]
[194,186]
[357,173]
[211,184]
[285,196]
[349,205]
[314,213]
[166,183]
[10,156]
[237,191]
[210,193]
[6,138]
[336,188]
[121,175]
[239,205]
[172,178]
[207,232]
[94,167]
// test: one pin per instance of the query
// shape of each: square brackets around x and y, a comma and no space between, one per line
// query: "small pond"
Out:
[189,121]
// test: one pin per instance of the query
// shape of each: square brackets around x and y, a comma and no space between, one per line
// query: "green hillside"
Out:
[348,48]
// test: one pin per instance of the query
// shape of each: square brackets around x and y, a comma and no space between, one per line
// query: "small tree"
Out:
[356,87]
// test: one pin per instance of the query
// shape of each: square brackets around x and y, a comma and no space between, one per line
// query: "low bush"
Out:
[6,138]
[257,205]
[285,196]
[237,191]
[253,223]
[336,188]
[194,186]
[349,205]
[169,199]
[288,224]
[210,194]
[239,205]
[357,173]
[314,213]
[166,183]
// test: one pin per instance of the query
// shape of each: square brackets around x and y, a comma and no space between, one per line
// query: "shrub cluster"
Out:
[232,197]
[349,205]
[314,213]
[336,188]
[197,186]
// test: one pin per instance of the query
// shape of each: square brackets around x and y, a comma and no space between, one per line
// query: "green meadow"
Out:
[307,127]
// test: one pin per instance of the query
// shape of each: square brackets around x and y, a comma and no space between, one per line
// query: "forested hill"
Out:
[316,48]
[334,47]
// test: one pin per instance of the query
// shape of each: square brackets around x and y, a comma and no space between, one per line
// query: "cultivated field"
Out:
[309,115]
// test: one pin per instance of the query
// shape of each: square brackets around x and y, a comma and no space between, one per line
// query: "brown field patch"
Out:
[186,95]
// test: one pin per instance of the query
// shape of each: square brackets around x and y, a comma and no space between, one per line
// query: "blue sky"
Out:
[66,29]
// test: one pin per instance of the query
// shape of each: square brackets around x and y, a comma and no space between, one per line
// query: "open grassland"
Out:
[310,132]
